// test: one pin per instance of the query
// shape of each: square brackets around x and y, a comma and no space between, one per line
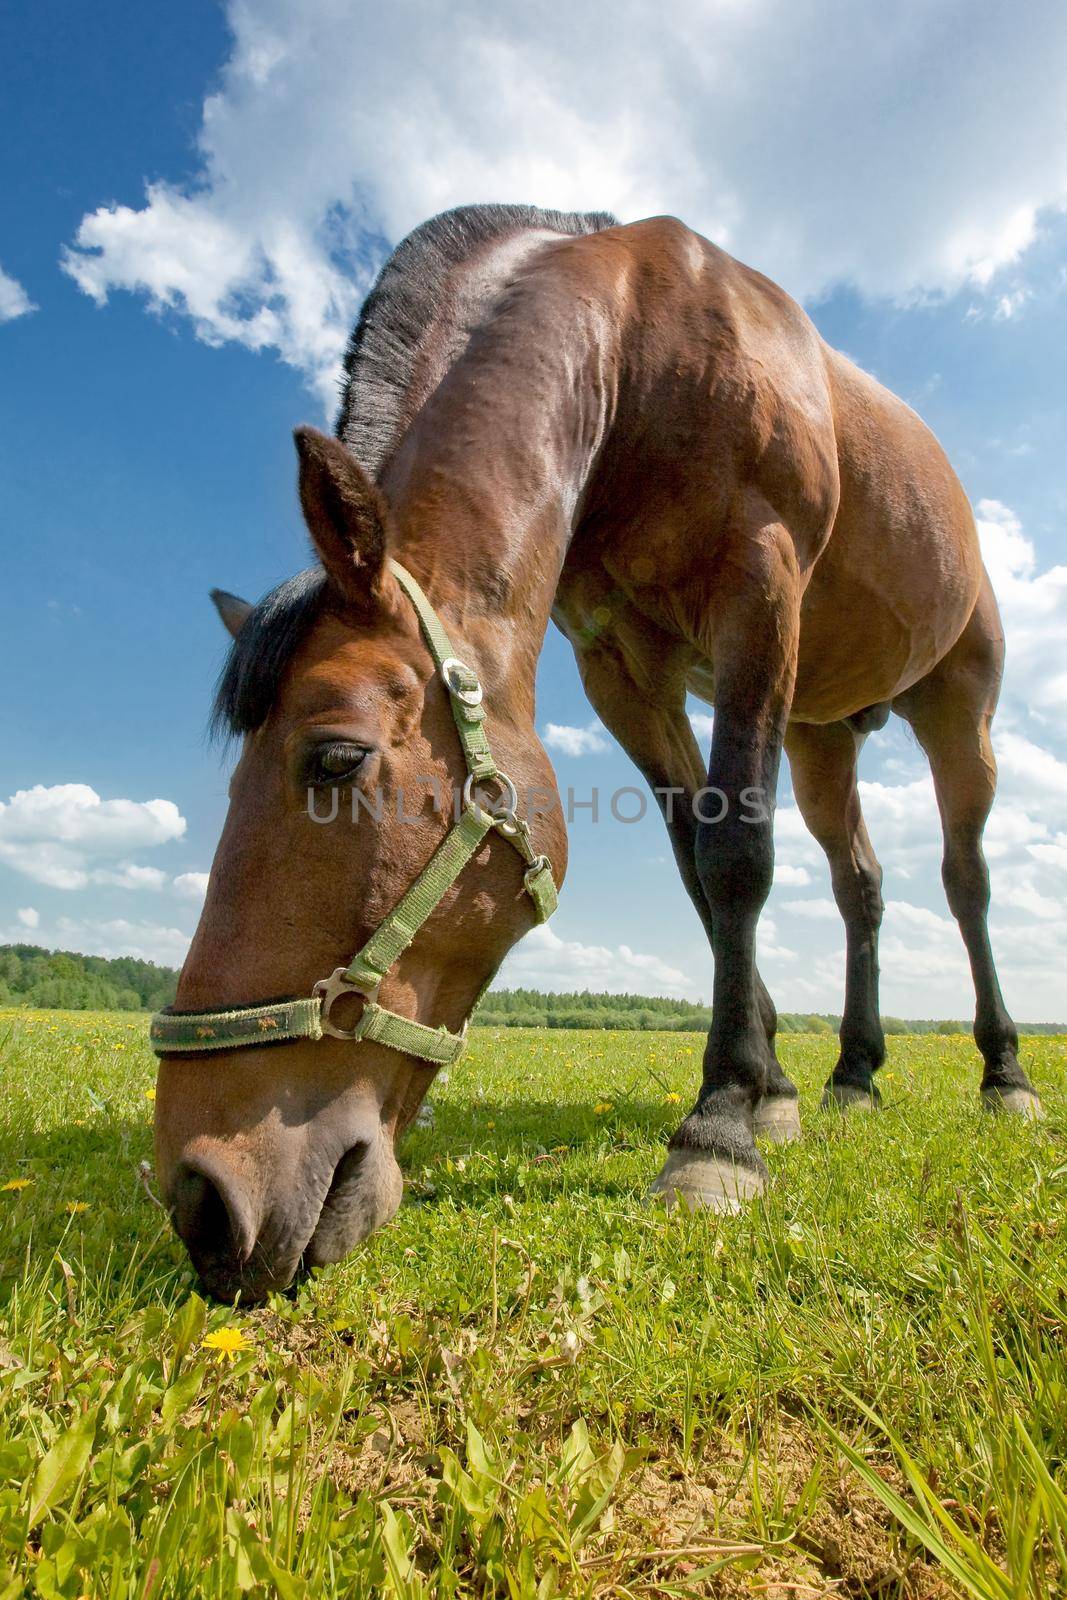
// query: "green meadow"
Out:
[533,1383]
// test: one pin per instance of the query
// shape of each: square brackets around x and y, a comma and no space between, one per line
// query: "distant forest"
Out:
[528,1008]
[31,976]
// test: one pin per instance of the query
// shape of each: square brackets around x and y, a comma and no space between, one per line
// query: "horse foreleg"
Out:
[638,689]
[752,642]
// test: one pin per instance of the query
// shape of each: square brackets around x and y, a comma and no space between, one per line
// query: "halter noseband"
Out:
[175,1031]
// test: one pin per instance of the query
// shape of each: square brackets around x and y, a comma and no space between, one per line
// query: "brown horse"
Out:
[627,430]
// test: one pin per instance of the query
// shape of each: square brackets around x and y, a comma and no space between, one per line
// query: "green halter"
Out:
[173,1031]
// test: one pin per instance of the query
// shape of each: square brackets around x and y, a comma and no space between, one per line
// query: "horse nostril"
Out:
[211,1218]
[346,1172]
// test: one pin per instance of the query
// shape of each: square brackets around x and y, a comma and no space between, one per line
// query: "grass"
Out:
[531,1383]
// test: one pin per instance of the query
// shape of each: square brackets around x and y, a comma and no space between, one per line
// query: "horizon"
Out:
[633,998]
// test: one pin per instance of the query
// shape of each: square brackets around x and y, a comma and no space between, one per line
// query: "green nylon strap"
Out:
[437,641]
[171,1031]
[469,719]
[386,945]
[411,1038]
[541,887]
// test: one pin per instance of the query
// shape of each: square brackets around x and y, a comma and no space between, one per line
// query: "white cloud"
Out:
[1033,605]
[191,885]
[1001,308]
[703,725]
[56,834]
[1026,897]
[923,963]
[589,741]
[14,301]
[816,910]
[780,128]
[128,875]
[769,946]
[1053,854]
[545,961]
[106,936]
[1009,305]
[920,919]
[29,916]
[149,941]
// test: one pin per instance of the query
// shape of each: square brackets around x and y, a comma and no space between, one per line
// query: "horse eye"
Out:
[335,763]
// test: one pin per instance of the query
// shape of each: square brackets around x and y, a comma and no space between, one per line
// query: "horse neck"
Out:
[490,480]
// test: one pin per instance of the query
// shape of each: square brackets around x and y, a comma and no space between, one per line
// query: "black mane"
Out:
[399,310]
[379,365]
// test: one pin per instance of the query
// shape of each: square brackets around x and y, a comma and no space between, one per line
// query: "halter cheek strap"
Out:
[173,1032]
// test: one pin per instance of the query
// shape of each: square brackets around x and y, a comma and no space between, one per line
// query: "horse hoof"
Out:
[1017,1102]
[848,1097]
[778,1119]
[705,1183]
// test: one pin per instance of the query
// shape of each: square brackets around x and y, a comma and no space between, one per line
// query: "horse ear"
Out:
[232,609]
[345,514]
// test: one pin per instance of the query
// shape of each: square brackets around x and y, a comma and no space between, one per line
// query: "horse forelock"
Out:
[272,632]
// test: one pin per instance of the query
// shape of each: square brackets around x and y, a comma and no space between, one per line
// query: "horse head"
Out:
[363,816]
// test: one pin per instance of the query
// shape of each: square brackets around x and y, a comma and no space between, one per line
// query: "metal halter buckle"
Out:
[506,814]
[327,990]
[538,864]
[451,667]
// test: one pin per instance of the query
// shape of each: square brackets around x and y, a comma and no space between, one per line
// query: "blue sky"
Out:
[192,206]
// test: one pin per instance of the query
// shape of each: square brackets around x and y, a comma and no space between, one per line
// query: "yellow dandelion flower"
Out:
[602,1108]
[76,1207]
[150,1094]
[13,1185]
[671,1099]
[226,1344]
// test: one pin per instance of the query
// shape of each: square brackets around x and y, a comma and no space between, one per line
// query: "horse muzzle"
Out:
[253,1213]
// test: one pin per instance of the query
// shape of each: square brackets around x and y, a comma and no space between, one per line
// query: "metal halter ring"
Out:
[508,812]
[332,988]
[451,667]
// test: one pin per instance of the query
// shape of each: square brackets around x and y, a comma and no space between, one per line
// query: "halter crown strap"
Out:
[464,690]
[196,1031]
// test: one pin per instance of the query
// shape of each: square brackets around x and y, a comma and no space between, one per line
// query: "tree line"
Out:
[64,980]
[530,1008]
